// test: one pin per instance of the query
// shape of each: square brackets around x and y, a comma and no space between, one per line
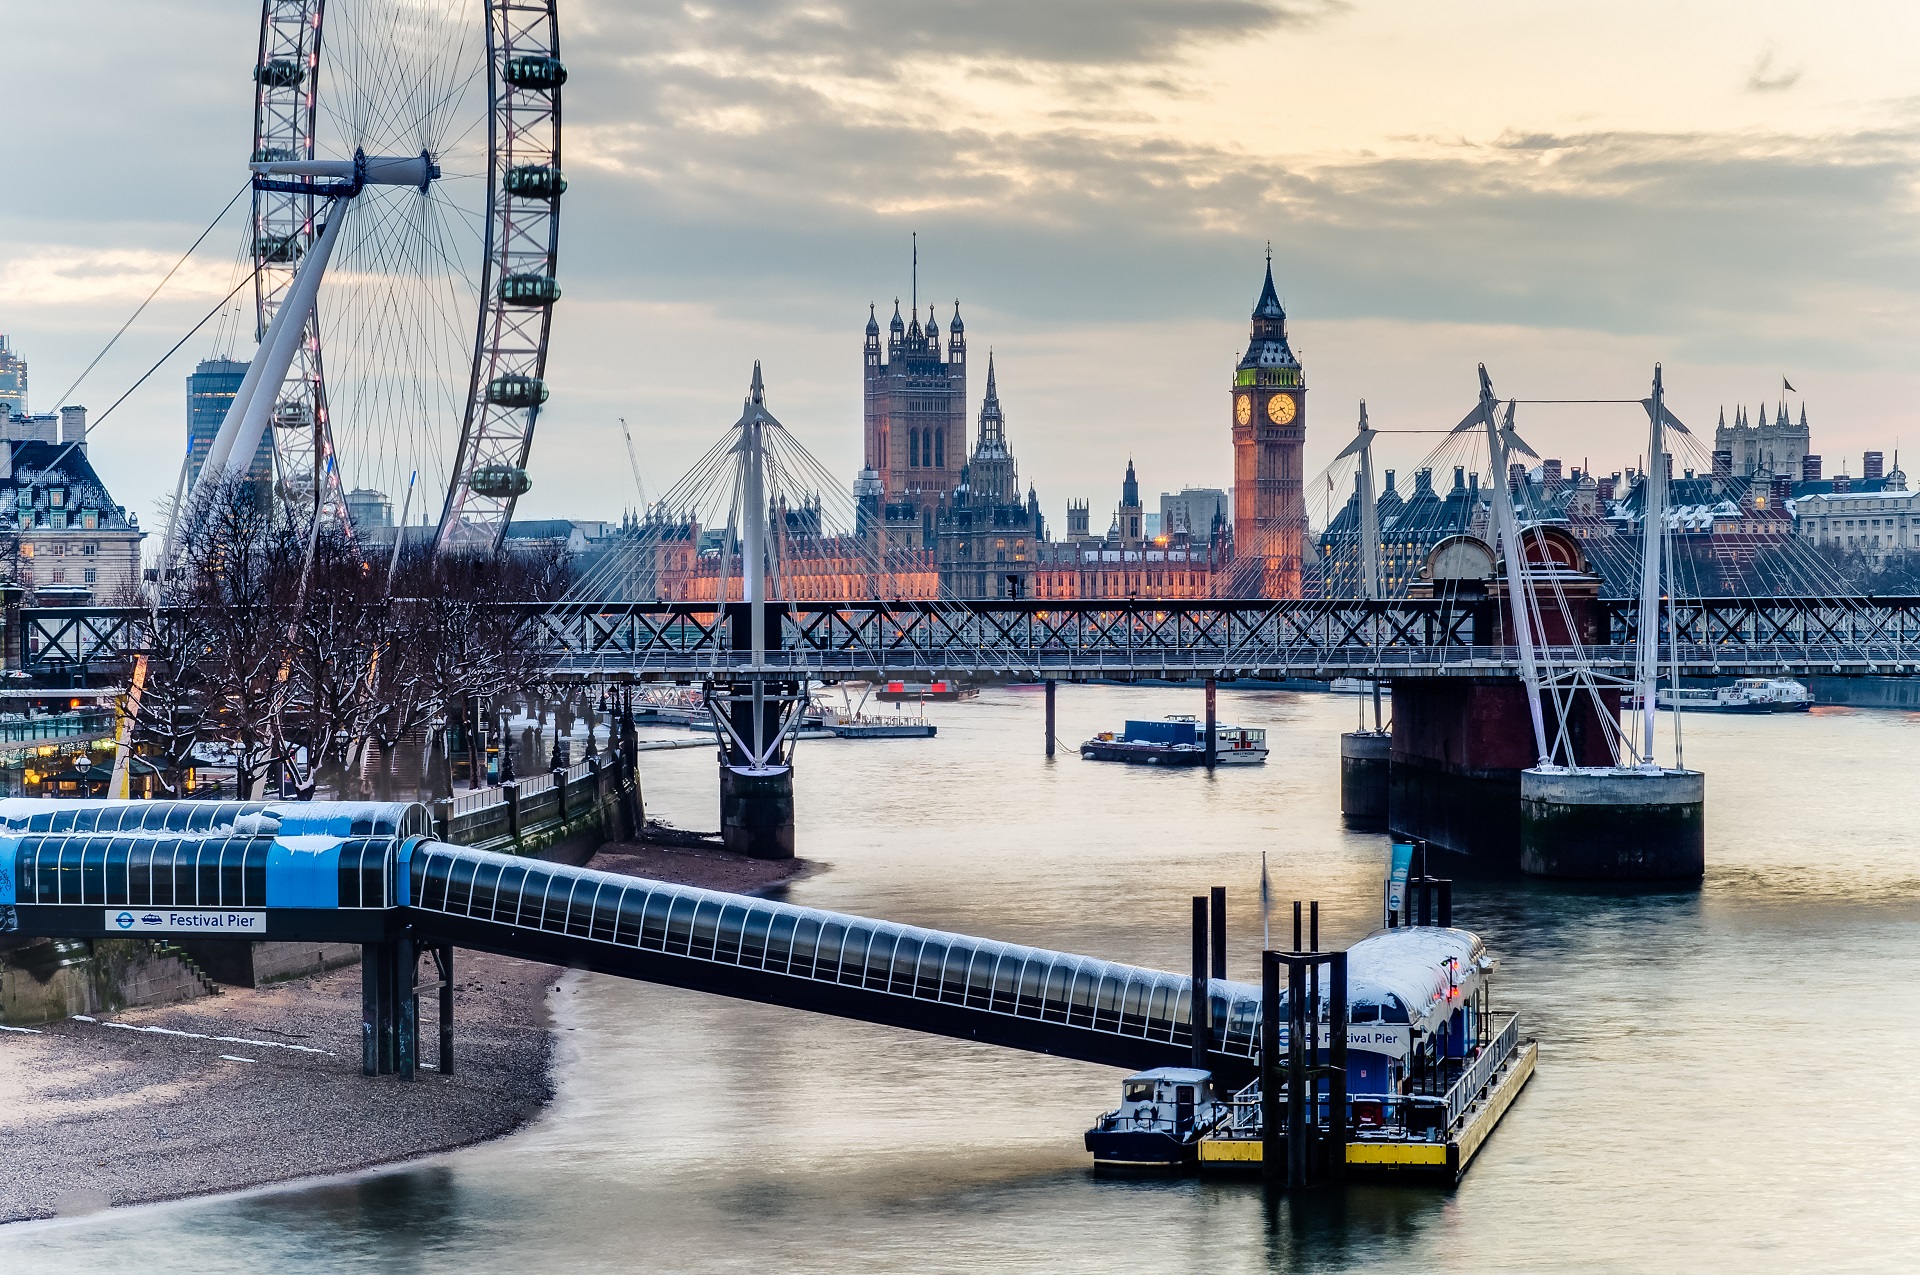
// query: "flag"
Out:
[1788,385]
[1266,904]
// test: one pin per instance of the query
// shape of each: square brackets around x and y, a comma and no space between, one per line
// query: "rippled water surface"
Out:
[1726,1082]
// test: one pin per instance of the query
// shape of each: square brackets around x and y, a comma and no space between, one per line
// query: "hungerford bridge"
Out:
[1389,639]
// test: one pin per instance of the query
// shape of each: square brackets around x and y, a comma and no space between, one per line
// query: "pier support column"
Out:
[1051,687]
[406,1018]
[1614,825]
[1363,779]
[379,1009]
[1213,739]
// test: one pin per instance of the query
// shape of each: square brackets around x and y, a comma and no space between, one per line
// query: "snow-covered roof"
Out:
[1413,965]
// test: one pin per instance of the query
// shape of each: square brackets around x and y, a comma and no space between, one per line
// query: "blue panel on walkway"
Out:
[304,872]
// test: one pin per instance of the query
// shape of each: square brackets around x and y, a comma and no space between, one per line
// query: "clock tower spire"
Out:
[1269,408]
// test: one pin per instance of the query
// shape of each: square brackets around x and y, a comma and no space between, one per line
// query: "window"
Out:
[90,548]
[56,497]
[58,521]
[59,577]
[26,551]
[913,448]
[940,449]
[93,576]
[26,497]
[90,519]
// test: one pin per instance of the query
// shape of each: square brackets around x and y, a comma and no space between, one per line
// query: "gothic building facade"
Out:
[1771,449]
[987,537]
[916,418]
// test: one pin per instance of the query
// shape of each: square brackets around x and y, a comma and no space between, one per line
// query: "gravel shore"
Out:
[264,1085]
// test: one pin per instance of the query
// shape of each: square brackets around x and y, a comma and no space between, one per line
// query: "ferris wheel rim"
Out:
[511,326]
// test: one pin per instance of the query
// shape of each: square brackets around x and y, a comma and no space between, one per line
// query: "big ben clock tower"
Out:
[1269,434]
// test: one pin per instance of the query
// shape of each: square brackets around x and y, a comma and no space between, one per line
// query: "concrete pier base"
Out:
[756,811]
[1613,824]
[1363,779]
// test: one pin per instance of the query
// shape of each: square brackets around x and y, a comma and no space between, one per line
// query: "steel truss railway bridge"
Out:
[1324,638]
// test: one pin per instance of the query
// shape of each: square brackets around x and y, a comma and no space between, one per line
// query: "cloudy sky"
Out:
[1568,192]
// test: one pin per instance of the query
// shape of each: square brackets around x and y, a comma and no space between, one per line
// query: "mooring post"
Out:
[1220,931]
[1051,688]
[1337,1066]
[1297,1028]
[1296,925]
[1271,1113]
[1213,742]
[1313,933]
[1199,1017]
[443,957]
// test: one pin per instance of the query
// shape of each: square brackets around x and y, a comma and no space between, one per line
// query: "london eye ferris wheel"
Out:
[405,231]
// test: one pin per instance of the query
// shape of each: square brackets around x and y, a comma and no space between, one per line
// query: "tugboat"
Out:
[1157,1127]
[1169,743]
[1232,745]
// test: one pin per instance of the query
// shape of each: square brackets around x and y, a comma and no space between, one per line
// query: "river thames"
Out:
[1726,1075]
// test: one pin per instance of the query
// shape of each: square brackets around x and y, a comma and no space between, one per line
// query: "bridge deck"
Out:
[1308,638]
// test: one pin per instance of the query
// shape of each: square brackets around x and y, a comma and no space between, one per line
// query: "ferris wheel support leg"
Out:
[246,417]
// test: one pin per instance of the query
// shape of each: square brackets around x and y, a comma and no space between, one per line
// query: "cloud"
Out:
[1765,79]
[879,39]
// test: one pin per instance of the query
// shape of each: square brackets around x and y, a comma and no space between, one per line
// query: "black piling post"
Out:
[1296,926]
[1297,1029]
[1213,741]
[443,957]
[1199,1018]
[1426,901]
[1271,1166]
[1313,932]
[1337,1064]
[1446,904]
[1052,686]
[1220,931]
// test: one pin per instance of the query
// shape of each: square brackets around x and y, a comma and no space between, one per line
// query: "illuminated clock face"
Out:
[1280,409]
[1243,409]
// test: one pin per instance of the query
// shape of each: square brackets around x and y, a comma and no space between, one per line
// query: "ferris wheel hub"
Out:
[351,175]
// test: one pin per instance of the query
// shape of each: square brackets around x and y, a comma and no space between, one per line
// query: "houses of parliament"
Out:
[923,491]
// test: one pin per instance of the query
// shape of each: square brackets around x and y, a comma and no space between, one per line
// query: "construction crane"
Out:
[633,458]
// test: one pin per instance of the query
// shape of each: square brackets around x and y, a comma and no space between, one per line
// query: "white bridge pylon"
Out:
[246,419]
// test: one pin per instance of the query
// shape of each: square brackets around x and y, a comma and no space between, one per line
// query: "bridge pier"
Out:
[1459,746]
[1616,825]
[1363,779]
[390,1007]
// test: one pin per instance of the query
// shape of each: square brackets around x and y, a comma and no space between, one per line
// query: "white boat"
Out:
[1233,745]
[1747,695]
